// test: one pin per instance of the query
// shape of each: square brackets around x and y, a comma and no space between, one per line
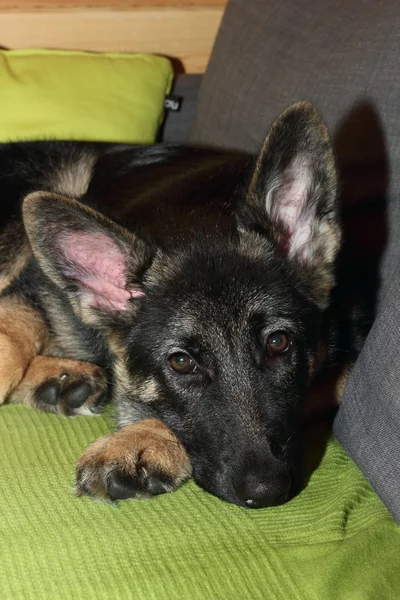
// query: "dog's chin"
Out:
[229,495]
[223,488]
[221,492]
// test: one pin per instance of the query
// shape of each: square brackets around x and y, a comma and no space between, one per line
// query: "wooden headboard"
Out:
[181,29]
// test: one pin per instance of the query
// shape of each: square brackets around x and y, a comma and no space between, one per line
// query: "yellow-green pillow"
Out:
[82,96]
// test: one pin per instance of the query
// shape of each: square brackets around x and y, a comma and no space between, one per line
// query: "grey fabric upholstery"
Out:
[342,56]
[177,125]
[368,423]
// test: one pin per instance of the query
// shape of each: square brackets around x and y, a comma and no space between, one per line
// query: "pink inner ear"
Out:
[98,265]
[288,204]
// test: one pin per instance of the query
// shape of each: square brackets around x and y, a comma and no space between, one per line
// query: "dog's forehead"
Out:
[231,312]
[245,269]
[222,288]
[216,258]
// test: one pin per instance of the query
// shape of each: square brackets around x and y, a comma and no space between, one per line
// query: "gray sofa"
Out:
[177,125]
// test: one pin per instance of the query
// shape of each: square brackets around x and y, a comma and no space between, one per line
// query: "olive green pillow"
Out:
[82,96]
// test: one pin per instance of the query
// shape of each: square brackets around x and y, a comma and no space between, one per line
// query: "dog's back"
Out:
[160,189]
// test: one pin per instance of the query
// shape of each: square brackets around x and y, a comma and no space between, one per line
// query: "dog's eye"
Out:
[182,363]
[277,343]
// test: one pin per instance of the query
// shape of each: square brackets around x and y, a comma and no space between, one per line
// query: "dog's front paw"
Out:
[138,461]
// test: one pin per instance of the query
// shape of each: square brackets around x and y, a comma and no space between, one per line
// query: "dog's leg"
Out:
[58,385]
[138,461]
[23,334]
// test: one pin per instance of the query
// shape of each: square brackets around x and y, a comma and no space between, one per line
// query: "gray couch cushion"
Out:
[177,124]
[271,53]
[368,423]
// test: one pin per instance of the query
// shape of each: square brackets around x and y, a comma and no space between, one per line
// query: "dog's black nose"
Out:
[255,493]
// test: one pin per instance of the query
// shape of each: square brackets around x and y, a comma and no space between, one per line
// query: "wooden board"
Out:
[116,4]
[181,29]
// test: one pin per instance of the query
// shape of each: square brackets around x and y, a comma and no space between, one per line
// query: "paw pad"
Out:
[49,393]
[77,394]
[68,393]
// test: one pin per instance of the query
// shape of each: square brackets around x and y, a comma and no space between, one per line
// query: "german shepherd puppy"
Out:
[192,287]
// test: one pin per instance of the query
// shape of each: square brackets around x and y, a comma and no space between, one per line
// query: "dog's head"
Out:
[218,338]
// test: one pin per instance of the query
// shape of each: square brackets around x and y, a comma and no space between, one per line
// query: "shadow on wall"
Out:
[364,178]
[363,168]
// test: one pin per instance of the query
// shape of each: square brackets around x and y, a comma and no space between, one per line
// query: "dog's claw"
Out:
[99,403]
[156,486]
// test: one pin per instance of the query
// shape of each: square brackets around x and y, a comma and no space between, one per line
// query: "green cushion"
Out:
[334,541]
[82,96]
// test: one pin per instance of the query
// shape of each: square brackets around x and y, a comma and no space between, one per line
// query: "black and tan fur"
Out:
[129,257]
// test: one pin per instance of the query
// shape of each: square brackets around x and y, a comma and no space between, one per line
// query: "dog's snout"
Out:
[256,492]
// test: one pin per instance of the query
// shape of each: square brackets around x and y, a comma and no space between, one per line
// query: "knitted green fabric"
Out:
[334,541]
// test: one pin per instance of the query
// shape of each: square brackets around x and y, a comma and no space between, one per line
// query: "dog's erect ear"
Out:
[292,196]
[97,263]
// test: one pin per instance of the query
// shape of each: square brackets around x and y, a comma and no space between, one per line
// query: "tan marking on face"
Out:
[122,378]
[148,390]
[116,344]
[125,382]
